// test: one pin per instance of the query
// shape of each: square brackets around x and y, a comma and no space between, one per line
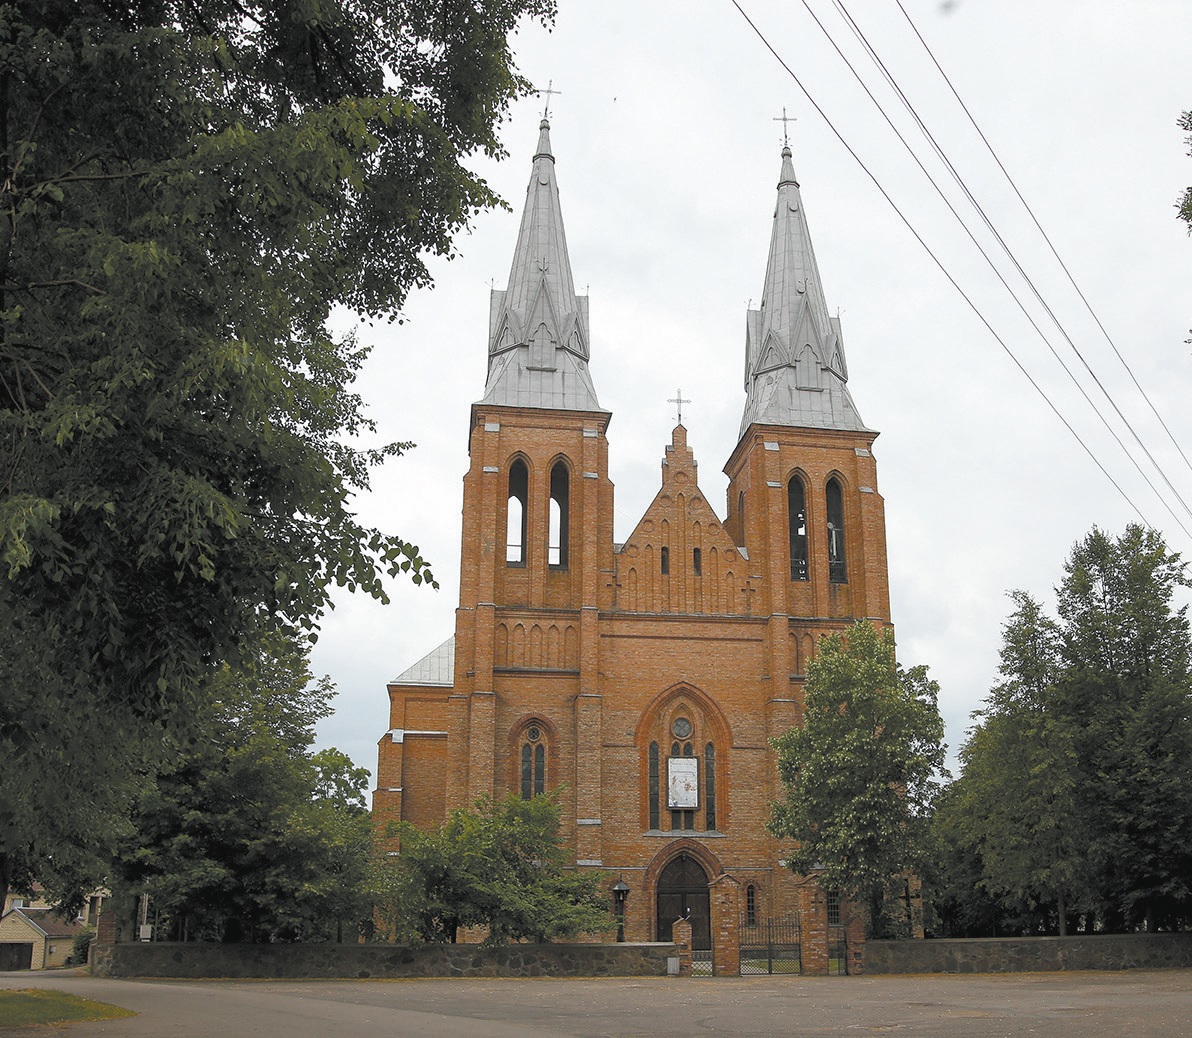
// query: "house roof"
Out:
[47,921]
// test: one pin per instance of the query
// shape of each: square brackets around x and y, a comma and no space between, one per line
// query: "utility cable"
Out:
[1046,238]
[1009,254]
[935,259]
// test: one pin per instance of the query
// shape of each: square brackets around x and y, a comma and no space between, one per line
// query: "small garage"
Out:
[35,939]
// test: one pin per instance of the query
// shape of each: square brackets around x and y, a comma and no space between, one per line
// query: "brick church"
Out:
[645,680]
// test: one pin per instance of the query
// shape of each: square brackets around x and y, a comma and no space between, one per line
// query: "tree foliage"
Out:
[1075,793]
[1184,206]
[1013,809]
[250,835]
[187,190]
[862,769]
[501,865]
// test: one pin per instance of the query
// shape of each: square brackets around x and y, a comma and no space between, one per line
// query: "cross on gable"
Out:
[680,401]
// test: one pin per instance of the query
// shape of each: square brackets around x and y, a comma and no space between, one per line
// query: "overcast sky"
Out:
[667,161]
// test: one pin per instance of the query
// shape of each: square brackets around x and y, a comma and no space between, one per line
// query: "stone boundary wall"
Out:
[1030,954]
[380,961]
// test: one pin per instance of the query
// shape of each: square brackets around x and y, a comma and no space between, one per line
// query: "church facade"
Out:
[645,680]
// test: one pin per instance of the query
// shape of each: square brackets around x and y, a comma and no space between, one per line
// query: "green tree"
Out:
[1184,206]
[956,901]
[501,865]
[1016,803]
[250,835]
[187,190]
[1075,792]
[861,770]
[1125,697]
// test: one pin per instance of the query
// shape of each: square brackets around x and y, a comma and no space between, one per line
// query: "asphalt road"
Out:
[1136,1004]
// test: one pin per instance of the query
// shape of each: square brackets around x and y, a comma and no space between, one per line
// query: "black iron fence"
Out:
[771,945]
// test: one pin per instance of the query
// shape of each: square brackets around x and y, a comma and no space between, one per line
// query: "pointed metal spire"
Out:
[538,326]
[795,372]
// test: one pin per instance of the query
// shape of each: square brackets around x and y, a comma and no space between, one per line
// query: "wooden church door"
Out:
[683,892]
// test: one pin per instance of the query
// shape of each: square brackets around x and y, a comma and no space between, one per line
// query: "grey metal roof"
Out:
[435,668]
[538,345]
[795,371]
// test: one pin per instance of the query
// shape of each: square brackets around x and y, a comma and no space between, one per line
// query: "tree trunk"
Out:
[1063,912]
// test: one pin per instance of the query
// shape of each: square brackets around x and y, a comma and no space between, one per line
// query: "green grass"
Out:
[26,1006]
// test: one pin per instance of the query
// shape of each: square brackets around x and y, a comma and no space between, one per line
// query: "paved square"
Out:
[1139,1004]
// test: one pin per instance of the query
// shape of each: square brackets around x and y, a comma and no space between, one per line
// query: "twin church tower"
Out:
[645,680]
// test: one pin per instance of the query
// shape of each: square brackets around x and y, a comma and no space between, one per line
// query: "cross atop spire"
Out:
[784,119]
[548,91]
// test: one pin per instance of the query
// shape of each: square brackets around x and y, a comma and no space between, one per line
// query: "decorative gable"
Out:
[679,558]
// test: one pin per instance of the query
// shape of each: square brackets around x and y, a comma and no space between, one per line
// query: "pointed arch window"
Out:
[560,518]
[533,761]
[515,520]
[837,566]
[682,770]
[741,516]
[690,788]
[796,514]
[697,562]
[664,559]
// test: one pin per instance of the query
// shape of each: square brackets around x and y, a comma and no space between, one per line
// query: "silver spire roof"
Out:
[795,372]
[538,326]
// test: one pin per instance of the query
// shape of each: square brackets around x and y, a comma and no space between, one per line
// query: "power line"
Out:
[935,259]
[1046,238]
[860,35]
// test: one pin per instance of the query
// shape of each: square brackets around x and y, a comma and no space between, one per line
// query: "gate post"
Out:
[813,912]
[725,903]
[681,935]
[854,936]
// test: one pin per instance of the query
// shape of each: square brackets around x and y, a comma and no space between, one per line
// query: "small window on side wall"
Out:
[533,761]
[832,899]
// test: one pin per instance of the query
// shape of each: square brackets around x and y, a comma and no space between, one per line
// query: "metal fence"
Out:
[837,952]
[771,945]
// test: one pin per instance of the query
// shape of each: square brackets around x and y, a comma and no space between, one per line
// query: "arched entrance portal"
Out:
[683,892]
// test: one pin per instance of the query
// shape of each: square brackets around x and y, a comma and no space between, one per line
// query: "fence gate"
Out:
[770,945]
[837,952]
